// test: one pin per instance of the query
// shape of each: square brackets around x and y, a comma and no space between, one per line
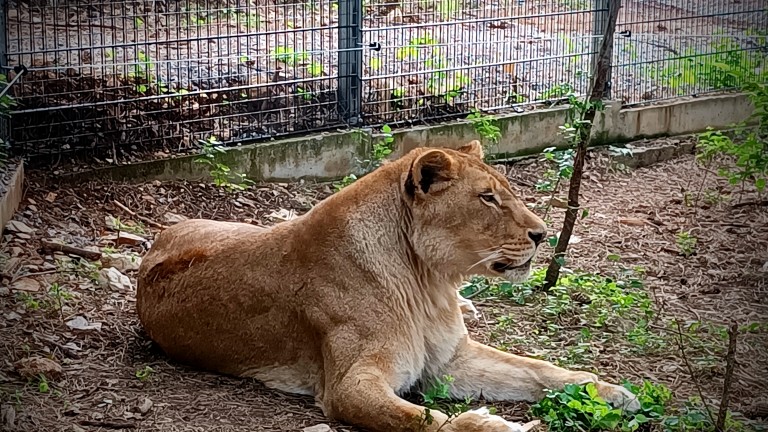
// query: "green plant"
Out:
[580,408]
[562,169]
[438,397]
[145,373]
[721,65]
[142,72]
[315,69]
[693,417]
[415,46]
[42,384]
[59,296]
[485,126]
[381,148]
[288,56]
[558,91]
[686,242]
[221,173]
[750,156]
[29,301]
[447,85]
[346,181]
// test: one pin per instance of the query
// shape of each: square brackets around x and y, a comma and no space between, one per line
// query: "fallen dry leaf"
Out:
[31,367]
[26,285]
[633,222]
[19,227]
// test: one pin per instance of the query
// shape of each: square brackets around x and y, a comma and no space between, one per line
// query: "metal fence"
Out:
[119,80]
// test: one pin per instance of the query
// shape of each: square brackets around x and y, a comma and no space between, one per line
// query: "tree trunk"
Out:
[595,95]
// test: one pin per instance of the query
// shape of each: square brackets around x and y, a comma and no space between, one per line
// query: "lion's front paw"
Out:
[468,309]
[481,419]
[618,396]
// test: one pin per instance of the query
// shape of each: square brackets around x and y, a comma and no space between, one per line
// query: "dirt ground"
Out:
[54,305]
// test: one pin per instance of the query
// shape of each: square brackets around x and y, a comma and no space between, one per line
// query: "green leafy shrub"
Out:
[580,408]
[222,175]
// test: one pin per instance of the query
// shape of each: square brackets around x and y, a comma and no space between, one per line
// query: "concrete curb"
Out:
[9,202]
[330,156]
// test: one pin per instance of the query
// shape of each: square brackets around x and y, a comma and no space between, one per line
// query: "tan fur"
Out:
[355,302]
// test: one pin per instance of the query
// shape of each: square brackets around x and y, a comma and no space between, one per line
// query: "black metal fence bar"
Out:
[132,79]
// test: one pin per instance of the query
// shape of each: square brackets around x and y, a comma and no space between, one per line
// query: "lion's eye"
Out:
[489,198]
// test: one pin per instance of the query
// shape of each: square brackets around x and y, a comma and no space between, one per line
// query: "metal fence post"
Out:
[5,118]
[599,26]
[350,60]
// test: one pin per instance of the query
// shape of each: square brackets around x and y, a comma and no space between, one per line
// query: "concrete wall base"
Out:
[330,156]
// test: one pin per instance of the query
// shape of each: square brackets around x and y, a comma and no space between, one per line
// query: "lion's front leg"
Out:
[479,369]
[363,398]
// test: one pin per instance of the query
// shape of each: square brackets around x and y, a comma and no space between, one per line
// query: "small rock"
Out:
[126,238]
[501,168]
[172,218]
[318,428]
[121,262]
[144,405]
[765,267]
[76,428]
[282,215]
[4,291]
[12,316]
[558,203]
[19,227]
[80,323]
[112,278]
[8,416]
[51,197]
[16,251]
[48,266]
[26,285]
[31,367]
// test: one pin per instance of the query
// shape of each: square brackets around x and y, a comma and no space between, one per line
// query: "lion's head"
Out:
[466,217]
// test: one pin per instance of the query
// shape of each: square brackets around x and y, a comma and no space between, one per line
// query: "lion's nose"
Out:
[537,236]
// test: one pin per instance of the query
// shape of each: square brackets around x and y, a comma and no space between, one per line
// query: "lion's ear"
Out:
[473,148]
[431,169]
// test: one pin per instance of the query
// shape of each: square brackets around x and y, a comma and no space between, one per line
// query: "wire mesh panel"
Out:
[159,75]
[670,48]
[441,58]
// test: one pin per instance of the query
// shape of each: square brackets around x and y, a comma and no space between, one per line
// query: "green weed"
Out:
[288,56]
[145,373]
[686,243]
[485,126]
[438,397]
[346,181]
[222,175]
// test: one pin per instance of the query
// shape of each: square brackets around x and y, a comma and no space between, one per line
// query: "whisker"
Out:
[490,257]
[492,248]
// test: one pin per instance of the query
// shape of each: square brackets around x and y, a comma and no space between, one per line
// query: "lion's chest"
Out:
[431,349]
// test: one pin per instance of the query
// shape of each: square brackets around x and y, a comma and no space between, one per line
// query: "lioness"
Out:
[355,301]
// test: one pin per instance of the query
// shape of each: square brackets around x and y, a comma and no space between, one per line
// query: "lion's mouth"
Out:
[503,266]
